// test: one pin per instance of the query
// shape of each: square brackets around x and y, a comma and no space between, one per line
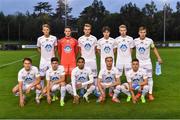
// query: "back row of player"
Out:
[106,46]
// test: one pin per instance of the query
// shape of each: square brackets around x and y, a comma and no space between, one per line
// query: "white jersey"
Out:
[84,76]
[53,75]
[124,45]
[28,77]
[143,49]
[109,76]
[136,77]
[88,45]
[47,46]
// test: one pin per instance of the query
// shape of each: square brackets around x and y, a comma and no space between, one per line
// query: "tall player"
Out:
[82,77]
[28,79]
[55,77]
[108,77]
[143,45]
[106,47]
[87,44]
[67,50]
[124,44]
[46,46]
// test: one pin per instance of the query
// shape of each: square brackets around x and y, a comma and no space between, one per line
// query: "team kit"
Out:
[52,77]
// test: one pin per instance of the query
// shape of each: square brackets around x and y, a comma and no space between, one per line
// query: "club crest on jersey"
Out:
[87,46]
[67,48]
[48,47]
[141,50]
[108,79]
[28,79]
[123,47]
[54,78]
[81,79]
[107,49]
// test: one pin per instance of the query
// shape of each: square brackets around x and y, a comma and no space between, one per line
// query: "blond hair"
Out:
[45,25]
[122,26]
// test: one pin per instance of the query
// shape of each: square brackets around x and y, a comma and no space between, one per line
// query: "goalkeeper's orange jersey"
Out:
[67,50]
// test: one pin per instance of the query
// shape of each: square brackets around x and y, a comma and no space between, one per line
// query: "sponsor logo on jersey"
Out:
[67,49]
[54,78]
[108,79]
[82,79]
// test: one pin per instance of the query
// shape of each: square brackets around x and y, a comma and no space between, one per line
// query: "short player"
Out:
[106,46]
[143,45]
[46,46]
[137,81]
[108,77]
[67,51]
[28,79]
[124,45]
[82,77]
[88,44]
[55,77]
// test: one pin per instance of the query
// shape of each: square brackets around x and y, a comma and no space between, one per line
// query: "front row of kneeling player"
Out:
[81,78]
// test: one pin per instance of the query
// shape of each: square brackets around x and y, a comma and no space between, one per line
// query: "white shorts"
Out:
[25,86]
[148,67]
[55,87]
[92,64]
[126,85]
[43,68]
[105,84]
[126,67]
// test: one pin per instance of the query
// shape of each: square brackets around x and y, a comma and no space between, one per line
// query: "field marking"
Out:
[7,64]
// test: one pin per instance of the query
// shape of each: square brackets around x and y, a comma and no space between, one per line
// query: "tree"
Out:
[43,8]
[150,9]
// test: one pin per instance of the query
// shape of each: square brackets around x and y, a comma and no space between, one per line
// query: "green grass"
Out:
[165,105]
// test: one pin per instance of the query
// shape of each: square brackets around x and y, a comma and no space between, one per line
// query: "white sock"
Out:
[38,92]
[125,91]
[63,92]
[90,90]
[150,83]
[117,91]
[69,89]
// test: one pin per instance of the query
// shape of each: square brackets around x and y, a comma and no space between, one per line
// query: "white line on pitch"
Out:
[15,61]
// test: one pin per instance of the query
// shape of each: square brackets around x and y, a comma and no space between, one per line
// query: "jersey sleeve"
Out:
[100,74]
[132,44]
[37,74]
[117,73]
[73,81]
[63,71]
[152,44]
[20,77]
[38,42]
[99,44]
[55,41]
[128,77]
[91,78]
[47,76]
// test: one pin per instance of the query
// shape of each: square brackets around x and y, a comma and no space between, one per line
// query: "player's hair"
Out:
[122,26]
[46,25]
[108,58]
[69,27]
[27,59]
[54,59]
[87,25]
[142,28]
[106,28]
[80,58]
[135,60]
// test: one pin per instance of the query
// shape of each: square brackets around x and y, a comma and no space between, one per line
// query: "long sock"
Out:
[38,92]
[63,92]
[150,83]
[90,90]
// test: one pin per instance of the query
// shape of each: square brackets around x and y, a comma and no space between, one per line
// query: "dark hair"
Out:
[80,58]
[142,28]
[108,57]
[68,27]
[135,60]
[106,28]
[27,59]
[54,59]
